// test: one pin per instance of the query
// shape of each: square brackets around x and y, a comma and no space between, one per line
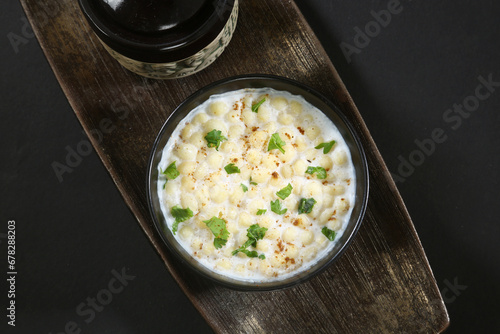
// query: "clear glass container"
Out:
[347,131]
[163,39]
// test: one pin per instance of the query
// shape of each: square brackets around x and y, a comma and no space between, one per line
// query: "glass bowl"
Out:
[281,84]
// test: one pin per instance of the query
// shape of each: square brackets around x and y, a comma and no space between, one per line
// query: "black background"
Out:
[72,234]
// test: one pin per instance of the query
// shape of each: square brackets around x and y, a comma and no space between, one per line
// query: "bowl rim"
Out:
[328,259]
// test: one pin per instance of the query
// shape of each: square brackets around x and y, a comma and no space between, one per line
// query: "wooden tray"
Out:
[382,284]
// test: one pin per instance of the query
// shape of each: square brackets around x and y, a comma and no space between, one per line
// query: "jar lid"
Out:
[157,31]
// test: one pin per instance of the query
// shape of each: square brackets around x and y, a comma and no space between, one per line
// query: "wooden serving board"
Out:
[382,284]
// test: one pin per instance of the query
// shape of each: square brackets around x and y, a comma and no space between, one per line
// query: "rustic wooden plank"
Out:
[382,284]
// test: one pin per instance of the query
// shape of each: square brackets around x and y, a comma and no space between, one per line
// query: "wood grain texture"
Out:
[382,284]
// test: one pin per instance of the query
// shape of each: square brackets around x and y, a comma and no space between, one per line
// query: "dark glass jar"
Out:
[163,39]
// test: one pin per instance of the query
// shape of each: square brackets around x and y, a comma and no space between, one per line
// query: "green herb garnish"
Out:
[244,187]
[218,228]
[326,146]
[254,233]
[260,212]
[214,138]
[232,169]
[255,107]
[285,192]
[252,182]
[171,173]
[320,172]
[276,207]
[328,233]
[276,143]
[180,215]
[306,205]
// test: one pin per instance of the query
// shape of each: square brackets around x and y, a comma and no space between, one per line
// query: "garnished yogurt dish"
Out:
[256,184]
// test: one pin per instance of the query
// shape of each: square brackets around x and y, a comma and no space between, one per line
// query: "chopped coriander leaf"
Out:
[232,168]
[328,233]
[243,248]
[252,182]
[180,215]
[310,170]
[260,212]
[326,146]
[285,192]
[254,233]
[320,172]
[214,138]
[218,228]
[171,172]
[276,143]
[255,107]
[306,205]
[218,242]
[249,253]
[276,207]
[244,187]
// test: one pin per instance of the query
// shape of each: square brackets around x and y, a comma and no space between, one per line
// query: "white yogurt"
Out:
[294,241]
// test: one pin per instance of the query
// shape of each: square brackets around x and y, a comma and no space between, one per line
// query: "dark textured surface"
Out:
[72,234]
[384,271]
